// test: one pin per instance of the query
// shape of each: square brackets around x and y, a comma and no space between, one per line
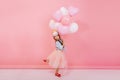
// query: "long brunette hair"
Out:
[60,40]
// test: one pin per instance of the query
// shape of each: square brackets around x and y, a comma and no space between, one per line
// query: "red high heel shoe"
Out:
[57,74]
[44,60]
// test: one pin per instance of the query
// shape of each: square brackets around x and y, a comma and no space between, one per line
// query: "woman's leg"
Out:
[57,72]
[50,56]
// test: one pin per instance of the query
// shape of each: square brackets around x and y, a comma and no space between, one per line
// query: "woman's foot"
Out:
[57,74]
[44,60]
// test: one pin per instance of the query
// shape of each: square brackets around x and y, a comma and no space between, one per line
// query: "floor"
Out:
[46,74]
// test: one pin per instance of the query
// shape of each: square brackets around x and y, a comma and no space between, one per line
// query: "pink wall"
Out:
[25,38]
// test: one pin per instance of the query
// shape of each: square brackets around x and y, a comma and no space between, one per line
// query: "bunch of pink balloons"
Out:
[63,22]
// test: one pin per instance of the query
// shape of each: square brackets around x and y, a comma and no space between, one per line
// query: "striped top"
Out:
[59,46]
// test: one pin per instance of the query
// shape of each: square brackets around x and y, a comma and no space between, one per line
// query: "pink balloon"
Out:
[58,15]
[63,30]
[66,20]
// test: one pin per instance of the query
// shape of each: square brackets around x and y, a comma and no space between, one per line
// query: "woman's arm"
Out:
[63,43]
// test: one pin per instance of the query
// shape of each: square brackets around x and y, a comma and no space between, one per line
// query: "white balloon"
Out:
[57,24]
[73,10]
[52,24]
[73,27]
[64,11]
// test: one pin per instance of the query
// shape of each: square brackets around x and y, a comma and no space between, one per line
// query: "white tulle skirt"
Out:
[57,59]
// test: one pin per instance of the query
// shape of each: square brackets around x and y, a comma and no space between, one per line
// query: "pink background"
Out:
[25,38]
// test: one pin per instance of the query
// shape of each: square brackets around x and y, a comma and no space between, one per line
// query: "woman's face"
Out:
[57,37]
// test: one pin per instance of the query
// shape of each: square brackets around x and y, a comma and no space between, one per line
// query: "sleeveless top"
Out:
[59,46]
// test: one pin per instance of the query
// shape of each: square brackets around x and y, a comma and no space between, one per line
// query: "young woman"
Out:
[57,58]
